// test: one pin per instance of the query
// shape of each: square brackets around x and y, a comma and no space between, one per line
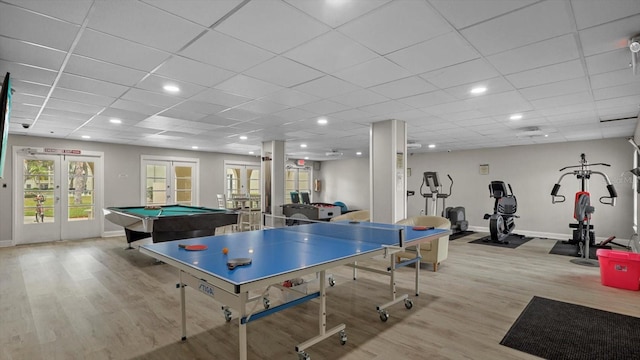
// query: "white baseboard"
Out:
[6,243]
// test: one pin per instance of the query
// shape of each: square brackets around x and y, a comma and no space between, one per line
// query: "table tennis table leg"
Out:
[417,271]
[183,307]
[242,328]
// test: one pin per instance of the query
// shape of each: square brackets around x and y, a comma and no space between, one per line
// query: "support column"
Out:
[272,169]
[388,164]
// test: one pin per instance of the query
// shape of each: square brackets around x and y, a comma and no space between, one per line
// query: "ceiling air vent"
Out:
[530,131]
[333,153]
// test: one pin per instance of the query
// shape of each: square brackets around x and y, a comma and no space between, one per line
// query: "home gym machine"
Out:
[501,222]
[583,235]
[456,215]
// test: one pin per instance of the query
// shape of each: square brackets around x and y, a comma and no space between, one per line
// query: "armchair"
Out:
[433,252]
[358,215]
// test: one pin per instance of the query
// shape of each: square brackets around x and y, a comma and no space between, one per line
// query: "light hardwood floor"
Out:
[92,299]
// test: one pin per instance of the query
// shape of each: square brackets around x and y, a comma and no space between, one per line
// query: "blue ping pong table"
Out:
[280,254]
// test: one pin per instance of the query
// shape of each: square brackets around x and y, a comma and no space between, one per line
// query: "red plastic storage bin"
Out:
[619,269]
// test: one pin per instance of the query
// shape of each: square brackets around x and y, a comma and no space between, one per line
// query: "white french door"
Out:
[169,181]
[242,179]
[59,197]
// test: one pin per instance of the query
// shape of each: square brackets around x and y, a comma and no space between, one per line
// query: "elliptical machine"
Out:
[583,235]
[456,215]
[501,222]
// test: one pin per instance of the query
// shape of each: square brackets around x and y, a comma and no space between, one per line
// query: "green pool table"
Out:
[169,222]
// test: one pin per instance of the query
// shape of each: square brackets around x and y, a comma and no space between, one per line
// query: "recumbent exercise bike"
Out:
[501,222]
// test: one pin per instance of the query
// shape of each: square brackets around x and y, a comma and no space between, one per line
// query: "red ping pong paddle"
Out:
[422,228]
[193,247]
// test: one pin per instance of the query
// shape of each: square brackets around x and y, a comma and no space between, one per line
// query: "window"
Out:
[296,180]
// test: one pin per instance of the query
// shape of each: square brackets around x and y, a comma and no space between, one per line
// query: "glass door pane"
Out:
[80,195]
[38,191]
[156,184]
[184,187]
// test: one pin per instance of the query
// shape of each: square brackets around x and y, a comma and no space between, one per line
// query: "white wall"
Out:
[531,170]
[121,173]
[345,180]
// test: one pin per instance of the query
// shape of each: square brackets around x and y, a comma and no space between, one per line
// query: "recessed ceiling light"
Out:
[546,135]
[194,147]
[171,88]
[322,121]
[86,137]
[243,137]
[303,145]
[359,153]
[516,117]
[478,90]
[431,146]
[306,158]
[115,121]
[251,153]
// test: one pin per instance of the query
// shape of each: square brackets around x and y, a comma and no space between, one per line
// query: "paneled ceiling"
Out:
[260,70]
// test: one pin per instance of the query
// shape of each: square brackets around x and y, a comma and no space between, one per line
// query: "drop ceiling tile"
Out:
[614,78]
[459,74]
[590,13]
[247,86]
[350,115]
[220,50]
[136,107]
[73,11]
[359,98]
[22,98]
[419,23]
[104,71]
[444,109]
[23,87]
[218,120]
[577,98]
[464,13]
[323,107]
[183,69]
[609,36]
[118,51]
[326,86]
[295,114]
[290,97]
[536,55]
[404,87]
[21,24]
[81,97]
[205,13]
[532,24]
[181,114]
[617,102]
[373,72]
[238,114]
[199,107]
[443,51]
[547,74]
[220,97]
[156,83]
[143,24]
[98,87]
[555,89]
[272,25]
[127,117]
[29,54]
[82,108]
[500,103]
[284,72]
[151,98]
[617,91]
[428,99]
[494,85]
[330,52]
[618,111]
[261,107]
[27,73]
[608,61]
[65,118]
[385,108]
[336,14]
